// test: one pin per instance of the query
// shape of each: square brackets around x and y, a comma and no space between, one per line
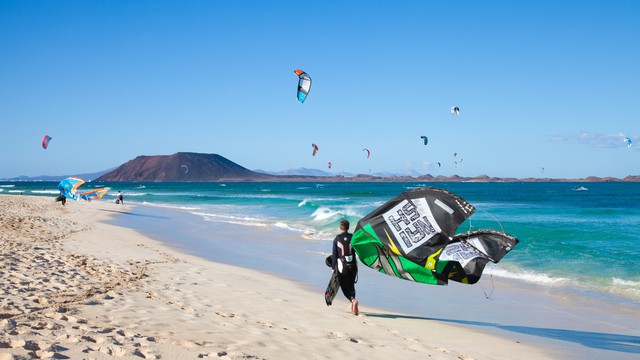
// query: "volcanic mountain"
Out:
[182,166]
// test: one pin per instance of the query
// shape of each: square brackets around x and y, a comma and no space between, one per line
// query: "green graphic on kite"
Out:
[412,237]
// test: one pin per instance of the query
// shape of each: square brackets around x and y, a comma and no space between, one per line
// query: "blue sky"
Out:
[540,84]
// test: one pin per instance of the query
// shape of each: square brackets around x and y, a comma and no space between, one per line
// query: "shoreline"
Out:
[81,286]
[562,318]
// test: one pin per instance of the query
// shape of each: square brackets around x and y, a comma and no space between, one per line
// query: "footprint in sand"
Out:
[230,315]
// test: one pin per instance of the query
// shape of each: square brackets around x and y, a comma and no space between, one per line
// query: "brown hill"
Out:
[181,167]
[195,167]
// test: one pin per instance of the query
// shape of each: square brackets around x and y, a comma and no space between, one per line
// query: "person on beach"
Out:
[120,198]
[344,259]
[62,199]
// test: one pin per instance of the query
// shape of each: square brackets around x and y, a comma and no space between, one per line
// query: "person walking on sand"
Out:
[344,259]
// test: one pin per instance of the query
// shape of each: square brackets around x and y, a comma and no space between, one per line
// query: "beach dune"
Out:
[75,286]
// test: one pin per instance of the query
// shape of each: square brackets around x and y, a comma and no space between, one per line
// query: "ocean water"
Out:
[585,236]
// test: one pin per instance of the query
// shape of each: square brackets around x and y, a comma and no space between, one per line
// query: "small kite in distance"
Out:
[425,139]
[628,141]
[186,168]
[455,111]
[329,164]
[315,149]
[304,84]
[45,141]
[368,152]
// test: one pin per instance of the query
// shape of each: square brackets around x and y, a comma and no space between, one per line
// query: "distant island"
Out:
[197,167]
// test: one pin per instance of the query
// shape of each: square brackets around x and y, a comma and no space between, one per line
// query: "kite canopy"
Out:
[304,85]
[94,194]
[69,186]
[368,152]
[329,164]
[628,141]
[412,237]
[45,141]
[455,111]
[315,149]
[425,139]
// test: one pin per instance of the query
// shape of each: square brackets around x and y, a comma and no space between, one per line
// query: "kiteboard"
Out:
[333,286]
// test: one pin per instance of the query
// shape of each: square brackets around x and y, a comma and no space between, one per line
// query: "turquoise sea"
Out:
[585,236]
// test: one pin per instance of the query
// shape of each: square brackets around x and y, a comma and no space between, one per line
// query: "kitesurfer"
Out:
[62,198]
[343,259]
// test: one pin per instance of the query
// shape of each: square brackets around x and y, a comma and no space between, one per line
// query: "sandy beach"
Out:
[75,286]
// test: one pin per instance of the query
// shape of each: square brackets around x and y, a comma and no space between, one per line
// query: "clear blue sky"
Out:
[553,84]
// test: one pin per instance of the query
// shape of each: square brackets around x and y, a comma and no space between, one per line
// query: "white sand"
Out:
[76,287]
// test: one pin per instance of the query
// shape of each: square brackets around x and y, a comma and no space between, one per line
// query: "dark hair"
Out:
[344,225]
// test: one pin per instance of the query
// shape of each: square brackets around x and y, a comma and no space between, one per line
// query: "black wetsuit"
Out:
[343,252]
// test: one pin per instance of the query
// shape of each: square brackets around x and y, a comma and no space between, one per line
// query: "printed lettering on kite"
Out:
[45,141]
[304,85]
[412,237]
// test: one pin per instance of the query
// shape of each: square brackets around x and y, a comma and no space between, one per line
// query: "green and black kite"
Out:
[412,236]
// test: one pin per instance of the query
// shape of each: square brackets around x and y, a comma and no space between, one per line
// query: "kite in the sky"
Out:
[413,237]
[186,168]
[425,139]
[329,164]
[455,111]
[628,141]
[304,85]
[69,186]
[368,152]
[315,149]
[45,141]
[439,165]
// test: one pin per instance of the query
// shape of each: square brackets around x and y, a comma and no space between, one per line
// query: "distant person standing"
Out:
[120,198]
[344,259]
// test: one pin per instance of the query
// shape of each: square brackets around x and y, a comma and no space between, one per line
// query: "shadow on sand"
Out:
[613,342]
[135,214]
